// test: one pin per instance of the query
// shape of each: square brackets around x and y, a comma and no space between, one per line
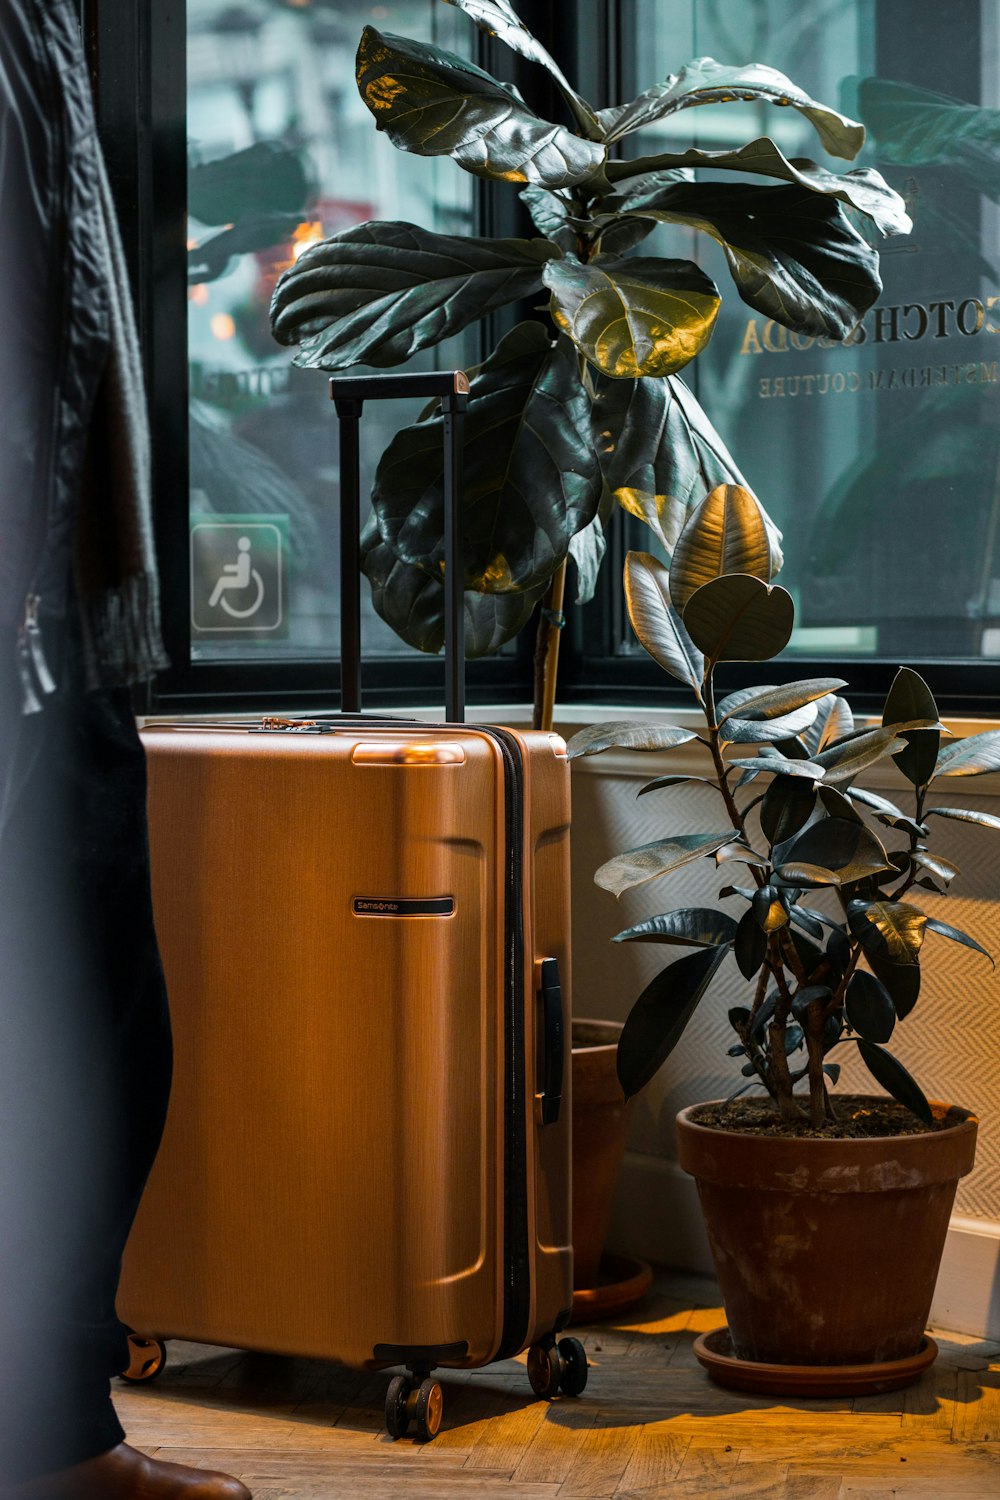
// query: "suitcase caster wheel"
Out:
[573,1358]
[428,1410]
[544,1369]
[147,1359]
[397,1412]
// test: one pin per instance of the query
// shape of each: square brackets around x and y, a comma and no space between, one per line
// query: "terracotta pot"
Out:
[827,1251]
[600,1116]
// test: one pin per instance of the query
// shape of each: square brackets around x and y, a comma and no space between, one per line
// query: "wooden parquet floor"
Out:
[649,1425]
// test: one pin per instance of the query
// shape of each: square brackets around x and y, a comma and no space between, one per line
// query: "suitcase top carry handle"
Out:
[349,393]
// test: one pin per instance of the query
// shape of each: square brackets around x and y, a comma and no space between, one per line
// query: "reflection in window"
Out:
[283,153]
[880,459]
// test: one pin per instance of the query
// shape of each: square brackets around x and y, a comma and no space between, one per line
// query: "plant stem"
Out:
[547,649]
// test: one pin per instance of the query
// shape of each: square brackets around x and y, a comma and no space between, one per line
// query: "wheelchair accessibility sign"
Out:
[239,576]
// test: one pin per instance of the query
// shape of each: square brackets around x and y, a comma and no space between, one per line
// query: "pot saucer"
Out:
[622,1281]
[715,1352]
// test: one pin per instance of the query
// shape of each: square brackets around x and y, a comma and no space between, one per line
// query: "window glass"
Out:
[879,459]
[282,152]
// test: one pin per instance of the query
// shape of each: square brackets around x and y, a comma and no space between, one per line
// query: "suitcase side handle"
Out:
[552,1033]
[349,393]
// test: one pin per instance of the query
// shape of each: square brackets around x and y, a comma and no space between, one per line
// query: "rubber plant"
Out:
[816,982]
[573,414]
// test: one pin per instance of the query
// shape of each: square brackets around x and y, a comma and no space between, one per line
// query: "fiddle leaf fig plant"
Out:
[783,762]
[585,410]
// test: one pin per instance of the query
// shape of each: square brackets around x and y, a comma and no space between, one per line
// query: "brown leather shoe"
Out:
[125,1474]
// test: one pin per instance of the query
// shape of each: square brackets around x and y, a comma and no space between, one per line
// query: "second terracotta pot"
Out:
[827,1251]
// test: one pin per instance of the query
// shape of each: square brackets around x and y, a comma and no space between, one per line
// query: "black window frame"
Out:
[137,56]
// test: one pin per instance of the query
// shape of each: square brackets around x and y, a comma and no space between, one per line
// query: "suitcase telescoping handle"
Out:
[349,394]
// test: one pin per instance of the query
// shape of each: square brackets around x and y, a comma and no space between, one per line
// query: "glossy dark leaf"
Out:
[842,762]
[739,731]
[810,954]
[740,853]
[874,801]
[746,891]
[531,478]
[957,936]
[807,920]
[793,254]
[833,1030]
[863,188]
[660,857]
[434,103]
[587,548]
[810,995]
[749,946]
[379,292]
[657,623]
[498,18]
[838,949]
[661,455]
[778,764]
[936,866]
[739,618]
[905,825]
[634,316]
[770,908]
[971,756]
[693,927]
[870,1011]
[900,926]
[794,1037]
[964,815]
[833,719]
[763,1017]
[726,533]
[839,848]
[705,81]
[657,1019]
[265,178]
[664,781]
[551,216]
[626,734]
[412,604]
[788,804]
[910,698]
[776,702]
[894,1078]
[832,1071]
[837,805]
[739,1016]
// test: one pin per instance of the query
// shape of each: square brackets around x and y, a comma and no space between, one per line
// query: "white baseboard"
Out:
[657,1216]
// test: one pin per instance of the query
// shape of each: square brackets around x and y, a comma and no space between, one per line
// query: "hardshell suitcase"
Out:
[365,932]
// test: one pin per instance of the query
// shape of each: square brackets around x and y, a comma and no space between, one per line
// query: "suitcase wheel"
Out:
[147,1359]
[422,1404]
[573,1356]
[397,1414]
[544,1369]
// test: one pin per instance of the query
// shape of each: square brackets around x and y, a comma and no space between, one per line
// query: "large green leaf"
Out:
[870,1011]
[636,866]
[833,720]
[656,622]
[658,1018]
[726,533]
[971,756]
[794,255]
[636,316]
[265,178]
[739,618]
[910,698]
[964,815]
[435,103]
[531,478]
[862,189]
[661,455]
[899,925]
[705,81]
[775,702]
[412,603]
[498,18]
[842,762]
[844,850]
[379,292]
[624,734]
[957,936]
[894,1078]
[691,927]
